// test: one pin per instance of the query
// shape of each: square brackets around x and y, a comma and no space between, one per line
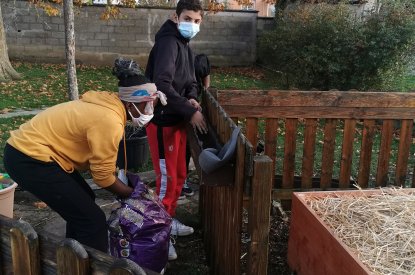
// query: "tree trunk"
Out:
[70,49]
[7,72]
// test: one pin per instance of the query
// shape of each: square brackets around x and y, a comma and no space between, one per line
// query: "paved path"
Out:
[21,112]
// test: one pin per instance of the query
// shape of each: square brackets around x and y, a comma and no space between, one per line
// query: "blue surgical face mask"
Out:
[188,29]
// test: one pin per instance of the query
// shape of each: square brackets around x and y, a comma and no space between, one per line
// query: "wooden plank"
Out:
[347,153]
[327,161]
[24,249]
[72,258]
[320,112]
[252,130]
[286,194]
[289,153]
[271,135]
[249,167]
[313,247]
[220,130]
[227,198]
[213,92]
[235,227]
[216,199]
[125,267]
[384,153]
[254,98]
[207,219]
[366,153]
[249,157]
[215,114]
[308,152]
[258,215]
[220,208]
[405,140]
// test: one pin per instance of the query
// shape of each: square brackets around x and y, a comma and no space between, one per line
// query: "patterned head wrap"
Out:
[133,86]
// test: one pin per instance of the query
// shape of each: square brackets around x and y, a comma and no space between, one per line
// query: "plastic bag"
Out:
[140,228]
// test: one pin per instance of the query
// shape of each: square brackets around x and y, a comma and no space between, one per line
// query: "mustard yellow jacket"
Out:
[82,134]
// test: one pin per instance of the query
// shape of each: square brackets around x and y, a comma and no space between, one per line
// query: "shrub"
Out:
[326,46]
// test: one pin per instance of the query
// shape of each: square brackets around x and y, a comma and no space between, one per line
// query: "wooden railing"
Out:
[23,251]
[312,141]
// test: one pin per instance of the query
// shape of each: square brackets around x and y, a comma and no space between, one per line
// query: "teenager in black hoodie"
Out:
[171,68]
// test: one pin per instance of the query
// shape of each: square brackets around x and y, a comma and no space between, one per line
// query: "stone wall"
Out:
[265,24]
[228,38]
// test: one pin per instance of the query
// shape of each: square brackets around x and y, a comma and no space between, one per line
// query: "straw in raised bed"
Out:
[379,228]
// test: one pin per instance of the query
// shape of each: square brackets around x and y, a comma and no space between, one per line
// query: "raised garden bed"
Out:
[352,232]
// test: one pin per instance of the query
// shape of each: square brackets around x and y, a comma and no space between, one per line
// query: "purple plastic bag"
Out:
[140,228]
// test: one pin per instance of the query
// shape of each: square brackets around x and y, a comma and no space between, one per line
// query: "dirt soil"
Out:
[190,249]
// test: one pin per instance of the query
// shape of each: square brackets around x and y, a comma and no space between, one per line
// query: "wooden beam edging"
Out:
[24,244]
[290,98]
[259,215]
[41,255]
[126,267]
[72,258]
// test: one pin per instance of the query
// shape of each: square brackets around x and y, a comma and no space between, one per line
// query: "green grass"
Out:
[408,84]
[235,81]
[44,85]
[7,125]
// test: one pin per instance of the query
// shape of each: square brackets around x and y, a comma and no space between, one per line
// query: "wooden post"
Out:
[25,249]
[72,258]
[125,267]
[259,215]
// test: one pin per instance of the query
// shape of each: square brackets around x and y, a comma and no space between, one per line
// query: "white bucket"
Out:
[7,200]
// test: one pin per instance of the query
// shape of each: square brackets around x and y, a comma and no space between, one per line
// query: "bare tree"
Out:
[7,72]
[70,49]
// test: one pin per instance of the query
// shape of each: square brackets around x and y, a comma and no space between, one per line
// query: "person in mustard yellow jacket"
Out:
[45,155]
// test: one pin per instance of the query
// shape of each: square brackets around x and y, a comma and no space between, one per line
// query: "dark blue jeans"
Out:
[66,193]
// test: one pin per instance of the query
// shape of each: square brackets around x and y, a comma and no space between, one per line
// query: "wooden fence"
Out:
[312,140]
[221,206]
[23,251]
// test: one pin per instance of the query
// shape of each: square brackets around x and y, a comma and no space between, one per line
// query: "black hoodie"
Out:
[171,67]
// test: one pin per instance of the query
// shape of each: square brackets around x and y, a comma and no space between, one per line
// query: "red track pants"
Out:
[168,154]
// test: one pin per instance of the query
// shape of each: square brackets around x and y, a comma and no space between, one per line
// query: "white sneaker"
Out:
[179,229]
[172,252]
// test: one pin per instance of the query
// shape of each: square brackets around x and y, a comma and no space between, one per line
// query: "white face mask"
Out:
[143,119]
[188,29]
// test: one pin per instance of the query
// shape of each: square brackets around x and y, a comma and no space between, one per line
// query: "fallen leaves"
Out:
[251,72]
[40,205]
